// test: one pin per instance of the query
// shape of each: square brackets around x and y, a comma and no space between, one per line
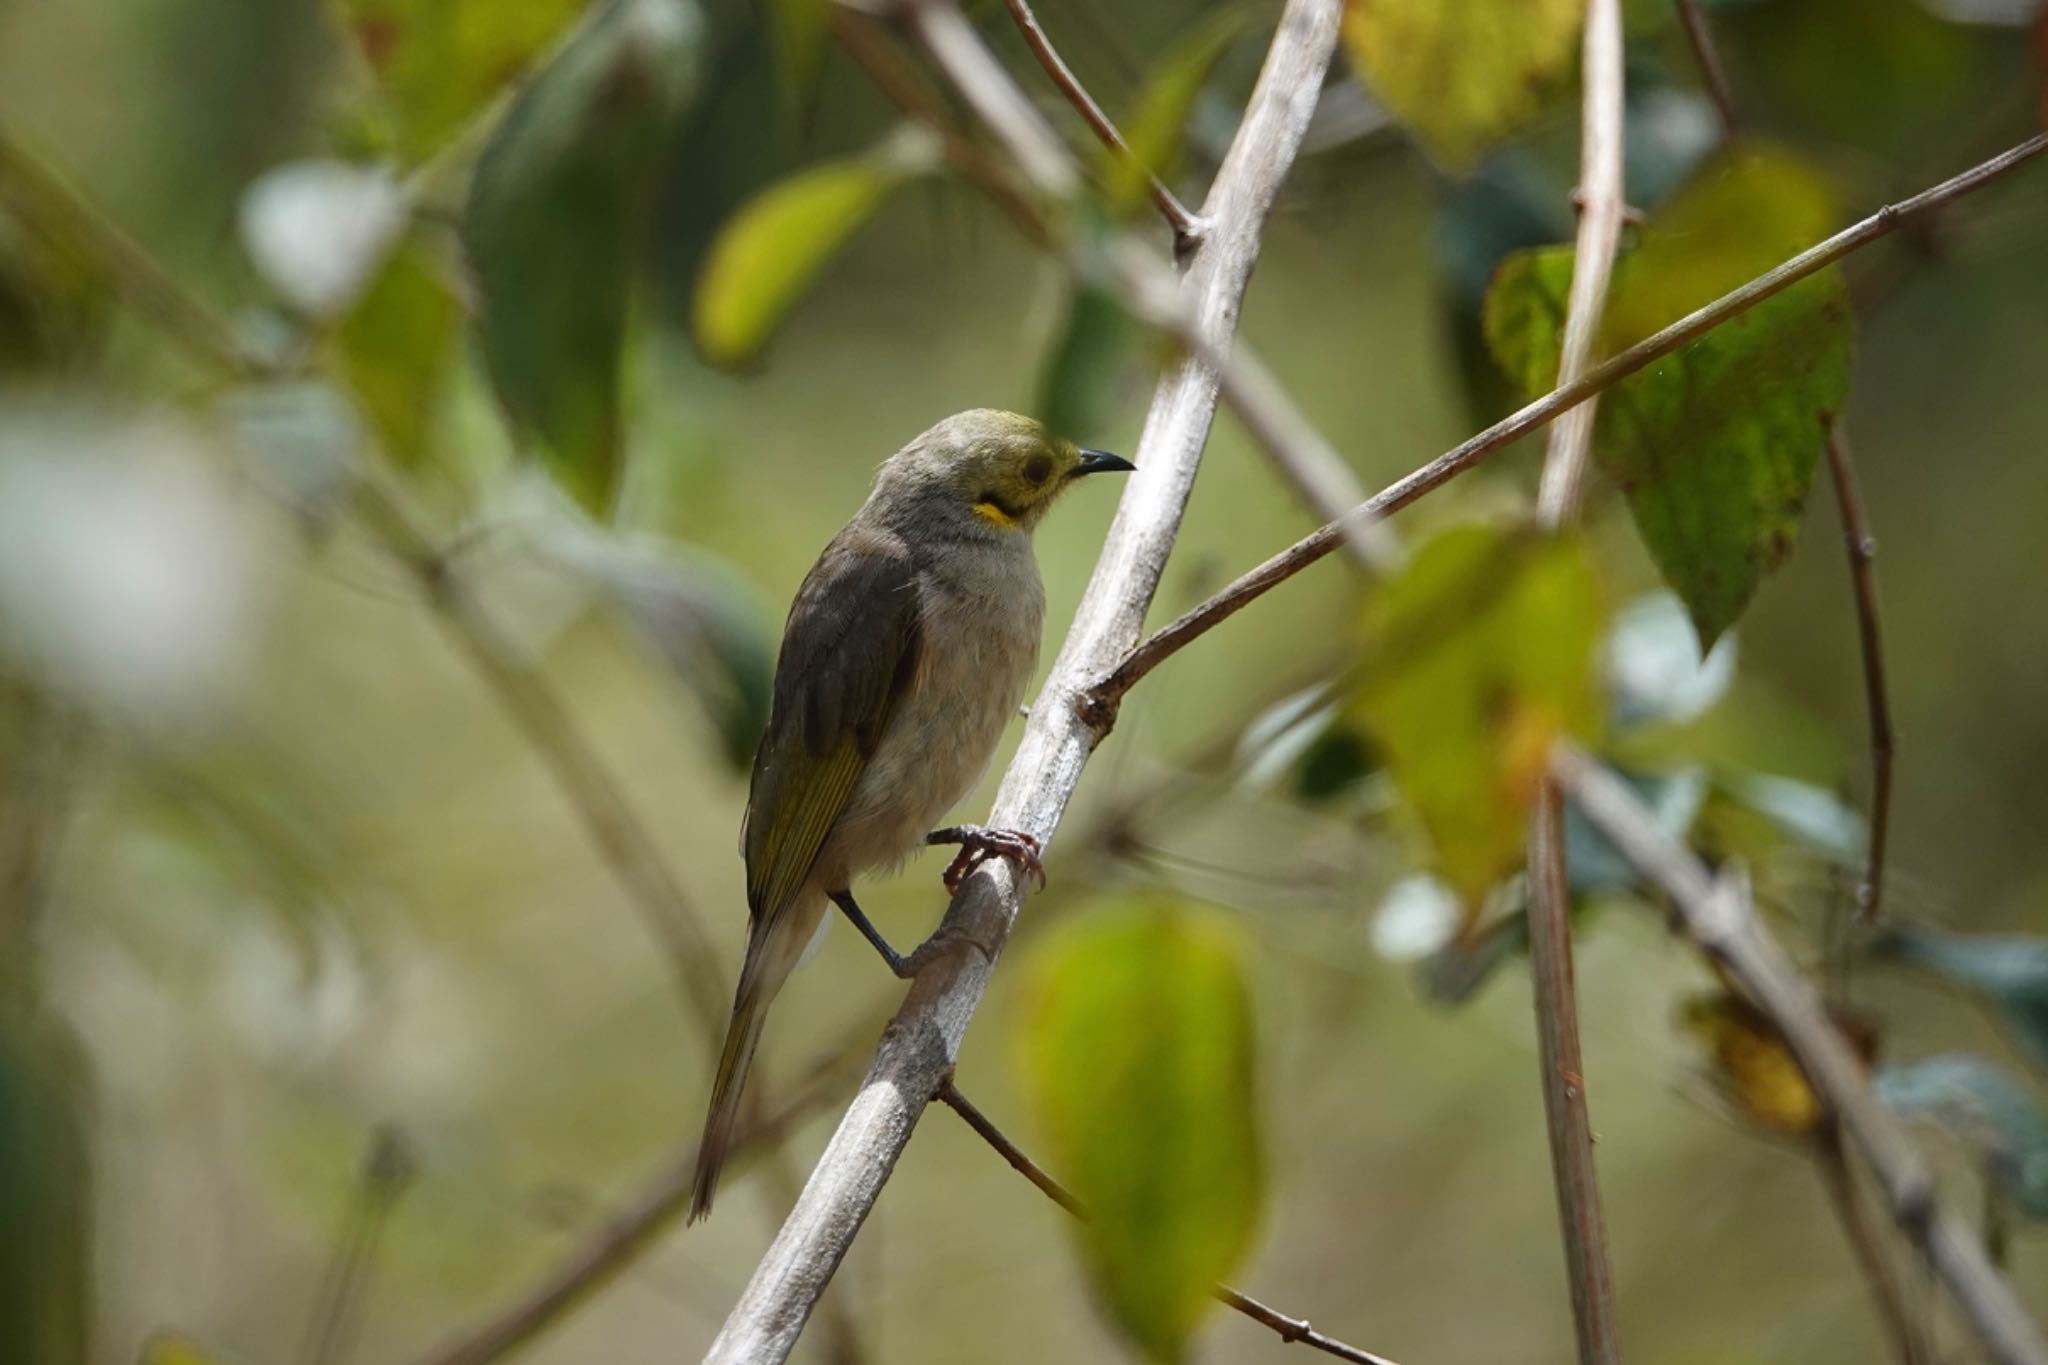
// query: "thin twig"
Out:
[601,1256]
[1717,917]
[1187,229]
[1709,57]
[1602,204]
[922,1043]
[1907,1331]
[1290,1330]
[1198,620]
[1862,548]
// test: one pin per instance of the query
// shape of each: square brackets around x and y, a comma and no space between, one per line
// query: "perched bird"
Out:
[907,650]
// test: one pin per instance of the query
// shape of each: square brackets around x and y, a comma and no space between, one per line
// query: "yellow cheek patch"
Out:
[995,516]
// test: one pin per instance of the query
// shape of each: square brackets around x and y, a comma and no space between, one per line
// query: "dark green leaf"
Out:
[1089,364]
[1157,123]
[45,1189]
[1988,1108]
[780,241]
[1138,1053]
[555,224]
[2008,971]
[395,346]
[1478,657]
[801,31]
[1462,75]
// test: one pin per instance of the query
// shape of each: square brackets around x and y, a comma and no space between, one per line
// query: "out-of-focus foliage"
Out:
[46,1275]
[1462,76]
[1716,446]
[1091,365]
[2009,972]
[1158,122]
[396,344]
[1477,658]
[1135,1042]
[557,220]
[1988,1108]
[1752,1061]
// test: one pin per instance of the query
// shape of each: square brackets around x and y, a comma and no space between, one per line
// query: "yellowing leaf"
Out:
[1753,1061]
[1462,74]
[440,62]
[1478,657]
[1716,445]
[394,348]
[1137,1052]
[779,242]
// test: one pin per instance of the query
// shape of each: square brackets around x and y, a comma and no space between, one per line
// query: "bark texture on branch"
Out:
[919,1047]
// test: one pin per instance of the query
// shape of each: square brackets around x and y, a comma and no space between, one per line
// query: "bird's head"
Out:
[986,468]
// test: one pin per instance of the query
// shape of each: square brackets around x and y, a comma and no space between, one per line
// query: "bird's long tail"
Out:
[741,1037]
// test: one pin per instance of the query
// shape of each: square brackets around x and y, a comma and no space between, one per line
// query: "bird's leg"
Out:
[898,963]
[979,843]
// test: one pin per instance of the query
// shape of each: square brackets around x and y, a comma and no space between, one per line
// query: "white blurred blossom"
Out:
[1654,666]
[316,229]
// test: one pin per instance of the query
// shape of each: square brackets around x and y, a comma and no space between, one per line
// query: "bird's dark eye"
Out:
[1038,468]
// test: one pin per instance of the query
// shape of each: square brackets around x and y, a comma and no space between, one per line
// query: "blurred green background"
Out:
[281,875]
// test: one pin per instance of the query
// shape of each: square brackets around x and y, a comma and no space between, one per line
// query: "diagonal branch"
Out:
[1291,1330]
[1701,38]
[1717,917]
[1602,204]
[1255,583]
[920,1046]
[1187,229]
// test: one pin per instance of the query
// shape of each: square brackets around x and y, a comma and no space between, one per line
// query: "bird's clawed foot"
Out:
[978,844]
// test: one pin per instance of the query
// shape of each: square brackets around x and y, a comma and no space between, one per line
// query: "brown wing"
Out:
[848,655]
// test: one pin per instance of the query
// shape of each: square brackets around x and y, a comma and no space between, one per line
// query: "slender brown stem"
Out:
[1290,1330]
[1908,1333]
[1709,57]
[1717,916]
[1862,548]
[1198,620]
[1187,229]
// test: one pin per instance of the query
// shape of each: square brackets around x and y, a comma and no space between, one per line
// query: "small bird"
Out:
[907,650]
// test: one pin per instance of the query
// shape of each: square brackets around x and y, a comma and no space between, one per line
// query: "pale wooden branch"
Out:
[1602,205]
[1290,1330]
[1862,548]
[1709,57]
[919,1048]
[1187,229]
[1200,619]
[1717,917]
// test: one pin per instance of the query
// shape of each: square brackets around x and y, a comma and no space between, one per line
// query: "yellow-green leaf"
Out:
[395,346]
[1717,445]
[779,242]
[1462,74]
[555,224]
[1137,1050]
[1478,657]
[1158,120]
[438,63]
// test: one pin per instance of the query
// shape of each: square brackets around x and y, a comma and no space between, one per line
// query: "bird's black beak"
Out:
[1101,462]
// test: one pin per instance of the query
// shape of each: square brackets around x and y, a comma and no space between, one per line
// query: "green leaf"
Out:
[800,31]
[1462,75]
[1089,363]
[174,1348]
[1138,1054]
[1982,1103]
[1478,657]
[1717,445]
[1157,123]
[395,346]
[779,242]
[46,1280]
[555,223]
[2009,972]
[438,63]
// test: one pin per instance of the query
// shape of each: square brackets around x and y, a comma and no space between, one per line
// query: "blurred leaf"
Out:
[1138,1054]
[1454,973]
[1716,446]
[46,1281]
[1089,363]
[2008,971]
[1158,119]
[395,346]
[1752,1061]
[53,305]
[1594,864]
[439,62]
[774,248]
[316,230]
[173,1348]
[1478,657]
[1462,76]
[1814,817]
[801,31]
[555,224]
[1982,1103]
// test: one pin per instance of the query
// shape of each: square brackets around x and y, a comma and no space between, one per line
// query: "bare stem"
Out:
[1907,1332]
[1716,75]
[1717,917]
[1602,204]
[1862,548]
[1290,1330]
[1198,620]
[1187,229]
